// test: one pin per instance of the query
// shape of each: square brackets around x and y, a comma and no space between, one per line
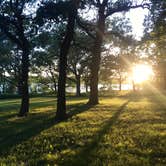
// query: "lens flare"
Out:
[142,73]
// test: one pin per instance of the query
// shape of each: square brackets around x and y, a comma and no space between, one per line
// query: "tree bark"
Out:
[61,95]
[24,109]
[78,82]
[86,87]
[55,87]
[96,57]
[19,86]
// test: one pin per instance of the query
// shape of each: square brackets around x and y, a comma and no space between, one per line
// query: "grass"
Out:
[120,131]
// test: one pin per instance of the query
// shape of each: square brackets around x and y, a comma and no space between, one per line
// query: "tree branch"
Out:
[12,37]
[125,8]
[84,27]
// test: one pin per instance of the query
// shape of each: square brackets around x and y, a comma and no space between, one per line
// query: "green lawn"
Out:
[120,131]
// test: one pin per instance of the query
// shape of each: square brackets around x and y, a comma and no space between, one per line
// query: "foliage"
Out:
[155,39]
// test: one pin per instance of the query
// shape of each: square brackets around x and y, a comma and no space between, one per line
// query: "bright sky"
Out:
[137,18]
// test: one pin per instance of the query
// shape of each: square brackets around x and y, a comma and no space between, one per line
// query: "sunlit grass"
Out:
[122,131]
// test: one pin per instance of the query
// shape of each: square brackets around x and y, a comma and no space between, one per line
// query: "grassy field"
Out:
[120,131]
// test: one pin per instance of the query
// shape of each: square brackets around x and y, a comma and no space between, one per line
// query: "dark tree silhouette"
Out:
[79,57]
[155,32]
[105,9]
[13,23]
[55,11]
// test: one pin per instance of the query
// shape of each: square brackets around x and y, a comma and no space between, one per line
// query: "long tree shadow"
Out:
[86,152]
[19,130]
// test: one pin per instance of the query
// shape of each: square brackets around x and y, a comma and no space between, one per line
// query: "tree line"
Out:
[56,36]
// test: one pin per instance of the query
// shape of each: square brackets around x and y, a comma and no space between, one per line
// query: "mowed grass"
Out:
[120,131]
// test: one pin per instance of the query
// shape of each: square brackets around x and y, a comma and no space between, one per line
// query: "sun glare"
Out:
[142,73]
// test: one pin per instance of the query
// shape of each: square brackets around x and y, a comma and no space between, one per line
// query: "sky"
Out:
[137,18]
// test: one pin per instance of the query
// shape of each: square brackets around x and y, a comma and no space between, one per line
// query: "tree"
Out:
[86,78]
[14,23]
[155,34]
[104,9]
[61,102]
[46,53]
[107,67]
[5,61]
[78,57]
[117,57]
[53,11]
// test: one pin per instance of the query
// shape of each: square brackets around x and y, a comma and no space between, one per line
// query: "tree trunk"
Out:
[55,87]
[96,56]
[3,88]
[120,86]
[61,95]
[54,83]
[78,90]
[86,87]
[24,109]
[4,85]
[53,78]
[120,83]
[134,89]
[19,86]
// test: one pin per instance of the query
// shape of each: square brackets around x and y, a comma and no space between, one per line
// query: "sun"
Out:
[142,73]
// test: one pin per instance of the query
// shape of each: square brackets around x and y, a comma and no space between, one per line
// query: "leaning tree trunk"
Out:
[78,83]
[96,57]
[61,95]
[24,109]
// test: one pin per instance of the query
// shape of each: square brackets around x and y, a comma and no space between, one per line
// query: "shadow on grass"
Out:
[159,99]
[10,110]
[83,156]
[16,105]
[77,109]
[21,129]
[15,130]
